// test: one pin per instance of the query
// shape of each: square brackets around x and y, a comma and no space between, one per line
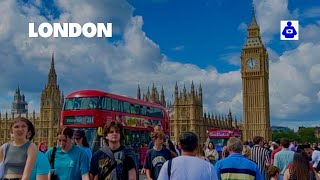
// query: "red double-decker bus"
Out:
[219,137]
[90,110]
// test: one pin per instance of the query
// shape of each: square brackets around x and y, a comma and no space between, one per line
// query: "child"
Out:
[273,173]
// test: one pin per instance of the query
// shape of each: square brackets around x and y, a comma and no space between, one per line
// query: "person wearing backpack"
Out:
[188,165]
[113,161]
[68,161]
[156,156]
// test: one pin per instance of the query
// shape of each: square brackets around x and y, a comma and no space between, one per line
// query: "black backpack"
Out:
[114,168]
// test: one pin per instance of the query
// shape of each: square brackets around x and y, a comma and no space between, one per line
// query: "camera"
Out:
[289,31]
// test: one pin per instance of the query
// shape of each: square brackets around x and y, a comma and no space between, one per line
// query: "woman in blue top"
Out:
[81,140]
[70,161]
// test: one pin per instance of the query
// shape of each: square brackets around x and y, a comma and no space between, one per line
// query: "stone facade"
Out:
[255,85]
[47,122]
[186,113]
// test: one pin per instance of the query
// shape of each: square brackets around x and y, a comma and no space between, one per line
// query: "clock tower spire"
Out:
[255,84]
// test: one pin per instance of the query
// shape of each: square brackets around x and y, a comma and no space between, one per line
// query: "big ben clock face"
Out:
[251,63]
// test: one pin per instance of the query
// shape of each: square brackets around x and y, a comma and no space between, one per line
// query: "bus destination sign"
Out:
[70,120]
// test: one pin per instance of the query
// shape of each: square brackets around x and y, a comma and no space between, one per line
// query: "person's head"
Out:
[80,138]
[273,171]
[285,142]
[246,150]
[234,145]
[306,149]
[22,128]
[157,128]
[245,142]
[65,137]
[258,140]
[211,145]
[266,145]
[301,164]
[188,142]
[158,138]
[113,132]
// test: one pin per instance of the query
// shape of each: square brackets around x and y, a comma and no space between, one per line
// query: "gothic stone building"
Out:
[186,113]
[47,122]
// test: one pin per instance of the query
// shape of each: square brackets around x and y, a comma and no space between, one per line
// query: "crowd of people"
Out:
[21,159]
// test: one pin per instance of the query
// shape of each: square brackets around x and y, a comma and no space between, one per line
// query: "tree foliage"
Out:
[304,135]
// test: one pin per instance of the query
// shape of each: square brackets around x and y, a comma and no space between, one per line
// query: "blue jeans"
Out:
[281,177]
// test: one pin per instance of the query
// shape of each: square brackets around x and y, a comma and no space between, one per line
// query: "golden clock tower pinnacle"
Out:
[255,84]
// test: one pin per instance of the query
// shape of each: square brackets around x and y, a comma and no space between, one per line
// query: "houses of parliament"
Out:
[185,113]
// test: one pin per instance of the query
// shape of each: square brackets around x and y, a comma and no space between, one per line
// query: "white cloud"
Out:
[315,74]
[135,59]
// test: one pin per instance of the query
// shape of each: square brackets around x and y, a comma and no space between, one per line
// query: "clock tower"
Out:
[255,85]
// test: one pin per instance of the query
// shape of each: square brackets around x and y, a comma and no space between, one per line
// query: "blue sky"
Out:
[163,42]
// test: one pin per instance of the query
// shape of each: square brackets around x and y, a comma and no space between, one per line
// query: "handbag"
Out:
[4,148]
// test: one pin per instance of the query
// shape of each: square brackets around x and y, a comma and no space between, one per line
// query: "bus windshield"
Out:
[219,141]
[81,103]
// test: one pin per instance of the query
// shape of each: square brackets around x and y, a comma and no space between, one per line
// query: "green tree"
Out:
[291,135]
[307,135]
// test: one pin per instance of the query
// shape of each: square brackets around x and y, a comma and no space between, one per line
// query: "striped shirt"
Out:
[237,167]
[261,157]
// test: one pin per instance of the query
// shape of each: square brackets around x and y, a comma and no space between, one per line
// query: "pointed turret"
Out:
[192,89]
[19,104]
[162,97]
[138,92]
[253,23]
[200,93]
[253,34]
[52,76]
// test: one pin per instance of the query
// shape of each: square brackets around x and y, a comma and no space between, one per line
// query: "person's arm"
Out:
[276,161]
[43,177]
[316,175]
[131,166]
[43,168]
[84,165]
[32,154]
[216,155]
[132,174]
[85,177]
[267,159]
[147,164]
[148,173]
[286,175]
[94,166]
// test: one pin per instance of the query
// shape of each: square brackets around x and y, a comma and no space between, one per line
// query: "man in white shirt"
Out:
[188,166]
[316,158]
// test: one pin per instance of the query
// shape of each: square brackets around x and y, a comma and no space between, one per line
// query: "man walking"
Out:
[113,160]
[188,166]
[236,166]
[260,155]
[284,157]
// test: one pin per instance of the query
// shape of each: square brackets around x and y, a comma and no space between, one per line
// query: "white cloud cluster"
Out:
[133,59]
